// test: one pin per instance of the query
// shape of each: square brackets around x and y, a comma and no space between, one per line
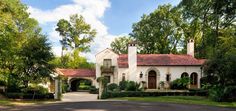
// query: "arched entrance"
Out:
[80,84]
[194,80]
[152,79]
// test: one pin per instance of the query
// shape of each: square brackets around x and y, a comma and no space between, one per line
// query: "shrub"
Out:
[105,95]
[112,86]
[113,94]
[198,92]
[2,83]
[180,83]
[35,89]
[132,86]
[220,93]
[216,93]
[93,90]
[29,96]
[65,87]
[123,85]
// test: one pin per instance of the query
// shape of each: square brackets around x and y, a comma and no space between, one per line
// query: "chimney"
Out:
[132,60]
[190,47]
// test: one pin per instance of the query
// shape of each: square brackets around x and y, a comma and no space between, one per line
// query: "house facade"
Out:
[149,69]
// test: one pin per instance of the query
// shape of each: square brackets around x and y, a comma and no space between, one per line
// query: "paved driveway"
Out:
[79,96]
[87,102]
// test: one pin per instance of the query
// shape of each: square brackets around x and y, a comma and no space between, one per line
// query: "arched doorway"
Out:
[194,80]
[80,84]
[152,79]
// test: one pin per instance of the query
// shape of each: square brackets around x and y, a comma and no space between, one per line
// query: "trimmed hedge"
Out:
[152,94]
[29,96]
[93,90]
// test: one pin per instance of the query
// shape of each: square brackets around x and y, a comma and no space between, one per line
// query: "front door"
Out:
[152,80]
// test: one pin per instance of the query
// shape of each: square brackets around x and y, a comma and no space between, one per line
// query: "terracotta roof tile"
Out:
[77,72]
[160,60]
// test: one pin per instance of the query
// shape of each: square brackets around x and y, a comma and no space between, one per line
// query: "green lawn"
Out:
[8,102]
[181,99]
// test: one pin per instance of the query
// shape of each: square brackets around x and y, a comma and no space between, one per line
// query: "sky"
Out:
[110,18]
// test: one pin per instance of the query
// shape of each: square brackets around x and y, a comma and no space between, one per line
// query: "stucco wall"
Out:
[106,54]
[174,71]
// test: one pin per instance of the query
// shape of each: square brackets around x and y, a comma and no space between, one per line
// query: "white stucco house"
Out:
[149,69]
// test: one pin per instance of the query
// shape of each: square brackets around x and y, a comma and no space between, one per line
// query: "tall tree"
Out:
[210,18]
[35,56]
[160,31]
[119,45]
[15,28]
[76,35]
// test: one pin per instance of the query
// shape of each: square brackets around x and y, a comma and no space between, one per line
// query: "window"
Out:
[168,77]
[185,74]
[107,62]
[108,78]
[123,77]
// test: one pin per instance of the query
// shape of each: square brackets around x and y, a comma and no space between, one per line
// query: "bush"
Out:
[35,89]
[198,92]
[180,83]
[216,93]
[65,87]
[132,86]
[221,94]
[2,83]
[93,90]
[112,86]
[29,96]
[123,85]
[113,94]
[105,95]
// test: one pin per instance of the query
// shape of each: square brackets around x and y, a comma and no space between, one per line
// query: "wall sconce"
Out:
[141,75]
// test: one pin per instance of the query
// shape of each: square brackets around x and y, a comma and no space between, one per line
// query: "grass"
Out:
[182,100]
[9,102]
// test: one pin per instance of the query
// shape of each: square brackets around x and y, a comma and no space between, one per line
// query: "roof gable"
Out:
[76,72]
[106,50]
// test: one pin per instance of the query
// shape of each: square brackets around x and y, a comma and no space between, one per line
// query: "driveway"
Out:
[82,101]
[78,97]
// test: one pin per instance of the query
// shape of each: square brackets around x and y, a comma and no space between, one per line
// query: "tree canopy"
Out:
[119,45]
[160,31]
[24,50]
[76,38]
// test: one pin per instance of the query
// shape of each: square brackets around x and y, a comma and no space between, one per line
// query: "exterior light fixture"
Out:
[141,75]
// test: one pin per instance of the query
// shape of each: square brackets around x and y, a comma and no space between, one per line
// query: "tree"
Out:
[79,62]
[119,45]
[160,31]
[15,28]
[35,56]
[208,19]
[223,63]
[76,35]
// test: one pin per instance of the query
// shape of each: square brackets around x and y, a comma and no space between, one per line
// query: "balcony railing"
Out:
[107,69]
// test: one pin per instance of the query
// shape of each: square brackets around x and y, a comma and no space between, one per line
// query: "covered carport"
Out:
[75,76]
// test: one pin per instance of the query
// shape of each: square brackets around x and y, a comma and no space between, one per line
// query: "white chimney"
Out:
[190,47]
[132,60]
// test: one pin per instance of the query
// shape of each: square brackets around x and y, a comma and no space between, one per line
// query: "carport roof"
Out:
[76,72]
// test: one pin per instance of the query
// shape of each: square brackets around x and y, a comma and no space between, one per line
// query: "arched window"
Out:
[194,78]
[184,74]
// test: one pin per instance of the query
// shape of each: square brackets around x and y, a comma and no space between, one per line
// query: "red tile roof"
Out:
[161,60]
[77,72]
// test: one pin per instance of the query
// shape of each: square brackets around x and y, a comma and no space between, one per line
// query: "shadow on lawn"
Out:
[115,106]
